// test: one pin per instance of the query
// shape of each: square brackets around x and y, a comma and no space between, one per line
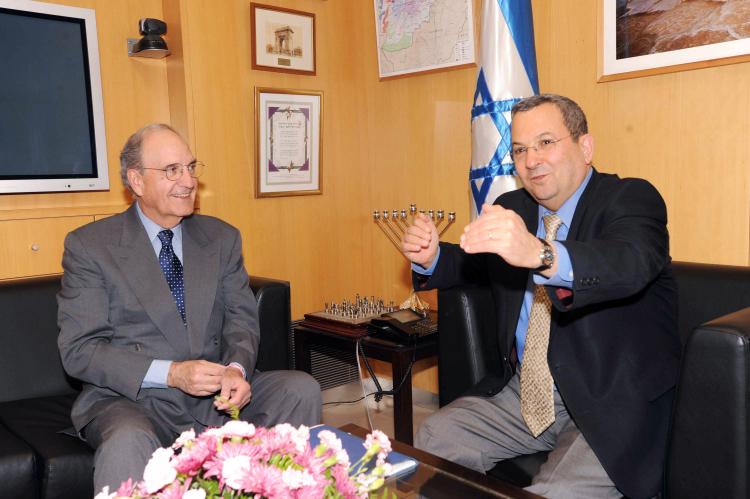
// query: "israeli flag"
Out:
[507,73]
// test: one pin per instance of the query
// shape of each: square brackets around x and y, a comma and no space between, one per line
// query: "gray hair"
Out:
[573,116]
[130,156]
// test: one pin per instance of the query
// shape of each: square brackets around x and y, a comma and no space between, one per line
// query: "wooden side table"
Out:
[400,356]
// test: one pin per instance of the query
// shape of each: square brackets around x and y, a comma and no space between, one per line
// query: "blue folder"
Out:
[354,447]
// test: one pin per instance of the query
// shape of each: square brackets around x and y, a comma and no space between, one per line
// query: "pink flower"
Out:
[266,481]
[296,479]
[126,488]
[276,463]
[377,441]
[299,437]
[159,470]
[189,460]
[332,442]
[184,438]
[343,483]
[234,469]
[175,490]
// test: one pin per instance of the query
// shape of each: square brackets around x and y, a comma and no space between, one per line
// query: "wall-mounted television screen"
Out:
[51,113]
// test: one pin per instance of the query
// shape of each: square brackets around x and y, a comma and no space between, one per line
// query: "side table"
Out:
[399,356]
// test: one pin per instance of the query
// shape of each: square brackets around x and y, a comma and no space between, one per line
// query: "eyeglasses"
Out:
[542,146]
[174,171]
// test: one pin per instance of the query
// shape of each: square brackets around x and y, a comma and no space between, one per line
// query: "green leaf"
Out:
[234,411]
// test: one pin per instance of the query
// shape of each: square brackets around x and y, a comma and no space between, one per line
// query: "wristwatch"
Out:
[546,256]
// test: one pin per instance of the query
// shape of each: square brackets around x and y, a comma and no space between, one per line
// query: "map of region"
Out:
[421,35]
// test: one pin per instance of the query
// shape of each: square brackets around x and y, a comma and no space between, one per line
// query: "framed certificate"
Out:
[288,124]
[282,39]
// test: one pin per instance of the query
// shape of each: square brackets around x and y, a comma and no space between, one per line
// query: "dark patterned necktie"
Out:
[172,269]
[537,399]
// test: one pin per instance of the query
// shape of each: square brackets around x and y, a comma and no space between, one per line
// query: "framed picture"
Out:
[645,37]
[287,142]
[423,36]
[282,39]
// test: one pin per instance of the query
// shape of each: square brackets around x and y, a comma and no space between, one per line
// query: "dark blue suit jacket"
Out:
[614,347]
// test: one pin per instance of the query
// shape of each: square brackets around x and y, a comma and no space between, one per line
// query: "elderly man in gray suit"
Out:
[156,318]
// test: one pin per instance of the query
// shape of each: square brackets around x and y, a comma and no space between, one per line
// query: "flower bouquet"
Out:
[239,461]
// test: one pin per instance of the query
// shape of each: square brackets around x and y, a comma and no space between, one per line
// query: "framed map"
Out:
[416,36]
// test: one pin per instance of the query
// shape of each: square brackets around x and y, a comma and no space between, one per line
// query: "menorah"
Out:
[394,223]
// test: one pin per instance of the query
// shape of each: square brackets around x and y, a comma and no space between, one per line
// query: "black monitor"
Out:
[51,114]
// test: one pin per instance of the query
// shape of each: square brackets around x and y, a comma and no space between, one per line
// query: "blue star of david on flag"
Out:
[507,74]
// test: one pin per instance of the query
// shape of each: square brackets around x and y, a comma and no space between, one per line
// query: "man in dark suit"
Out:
[156,317]
[578,263]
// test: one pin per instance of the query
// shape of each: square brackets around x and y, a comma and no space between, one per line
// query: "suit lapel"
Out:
[583,204]
[201,272]
[518,278]
[139,264]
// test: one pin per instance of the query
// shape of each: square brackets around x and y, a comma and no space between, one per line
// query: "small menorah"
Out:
[394,223]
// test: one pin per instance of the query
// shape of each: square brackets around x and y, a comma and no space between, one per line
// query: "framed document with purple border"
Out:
[287,143]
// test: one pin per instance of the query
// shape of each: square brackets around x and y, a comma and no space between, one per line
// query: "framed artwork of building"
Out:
[282,39]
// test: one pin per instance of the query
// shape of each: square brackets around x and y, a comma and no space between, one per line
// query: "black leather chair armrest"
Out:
[274,315]
[467,342]
[709,447]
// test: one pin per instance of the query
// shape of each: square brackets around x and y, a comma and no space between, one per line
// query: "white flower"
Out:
[185,437]
[104,494]
[159,470]
[236,428]
[295,479]
[194,494]
[365,482]
[379,438]
[331,441]
[298,436]
[234,469]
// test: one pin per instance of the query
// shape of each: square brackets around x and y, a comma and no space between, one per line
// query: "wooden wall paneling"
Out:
[379,149]
[685,132]
[179,73]
[32,247]
[134,92]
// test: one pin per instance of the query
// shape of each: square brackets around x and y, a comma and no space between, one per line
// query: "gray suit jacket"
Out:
[116,315]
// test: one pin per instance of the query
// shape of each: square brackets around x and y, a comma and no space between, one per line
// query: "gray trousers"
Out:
[125,435]
[478,432]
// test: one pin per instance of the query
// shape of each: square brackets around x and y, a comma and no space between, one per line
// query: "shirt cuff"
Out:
[156,376]
[563,278]
[426,271]
[239,366]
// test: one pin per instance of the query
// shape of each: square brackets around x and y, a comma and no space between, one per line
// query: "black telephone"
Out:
[404,325]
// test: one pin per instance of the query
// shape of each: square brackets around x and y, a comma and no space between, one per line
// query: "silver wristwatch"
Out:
[546,256]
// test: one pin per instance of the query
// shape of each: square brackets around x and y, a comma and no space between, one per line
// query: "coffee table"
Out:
[436,478]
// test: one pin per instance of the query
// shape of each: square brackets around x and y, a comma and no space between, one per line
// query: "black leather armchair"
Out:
[709,446]
[36,459]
